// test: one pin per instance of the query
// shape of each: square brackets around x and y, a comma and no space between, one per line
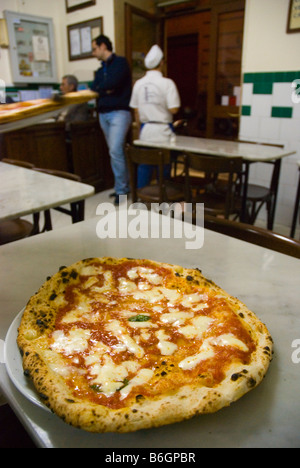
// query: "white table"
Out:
[250,153]
[268,282]
[25,191]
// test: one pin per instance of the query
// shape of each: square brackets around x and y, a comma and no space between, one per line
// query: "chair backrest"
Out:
[212,166]
[156,156]
[275,173]
[57,173]
[254,235]
[16,162]
[153,156]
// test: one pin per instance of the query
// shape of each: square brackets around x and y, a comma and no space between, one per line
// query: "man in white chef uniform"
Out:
[155,99]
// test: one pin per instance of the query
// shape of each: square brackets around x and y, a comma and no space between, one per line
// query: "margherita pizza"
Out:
[117,345]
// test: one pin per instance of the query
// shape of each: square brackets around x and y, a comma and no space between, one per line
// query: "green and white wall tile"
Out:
[270,113]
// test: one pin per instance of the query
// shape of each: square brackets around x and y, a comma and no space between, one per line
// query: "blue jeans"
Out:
[115,126]
[146,171]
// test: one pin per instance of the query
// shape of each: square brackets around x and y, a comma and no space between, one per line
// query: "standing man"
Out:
[113,84]
[155,100]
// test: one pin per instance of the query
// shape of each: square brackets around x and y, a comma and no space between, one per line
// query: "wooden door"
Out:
[227,24]
[183,67]
[142,31]
[187,40]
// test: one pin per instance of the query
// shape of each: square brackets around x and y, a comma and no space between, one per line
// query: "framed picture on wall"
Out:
[80,37]
[72,5]
[294,17]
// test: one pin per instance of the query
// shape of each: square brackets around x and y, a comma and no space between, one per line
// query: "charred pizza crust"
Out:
[169,393]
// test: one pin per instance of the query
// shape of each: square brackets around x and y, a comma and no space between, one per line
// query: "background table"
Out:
[268,282]
[25,191]
[250,153]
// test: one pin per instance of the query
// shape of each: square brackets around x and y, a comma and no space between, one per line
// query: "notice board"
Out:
[31,46]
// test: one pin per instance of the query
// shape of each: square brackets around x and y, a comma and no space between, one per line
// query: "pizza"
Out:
[118,345]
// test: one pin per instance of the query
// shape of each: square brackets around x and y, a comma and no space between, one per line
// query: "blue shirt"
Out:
[113,83]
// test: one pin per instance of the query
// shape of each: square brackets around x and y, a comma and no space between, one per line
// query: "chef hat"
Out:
[154,57]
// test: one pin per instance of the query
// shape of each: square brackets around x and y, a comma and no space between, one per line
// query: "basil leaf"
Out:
[96,388]
[125,383]
[139,318]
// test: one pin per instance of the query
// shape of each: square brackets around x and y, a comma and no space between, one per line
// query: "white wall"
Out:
[267,46]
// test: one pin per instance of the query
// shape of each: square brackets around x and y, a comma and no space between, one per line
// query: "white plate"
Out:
[14,367]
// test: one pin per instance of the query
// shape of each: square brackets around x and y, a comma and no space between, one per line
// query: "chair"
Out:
[296,208]
[254,235]
[161,191]
[258,195]
[16,229]
[76,210]
[16,162]
[218,195]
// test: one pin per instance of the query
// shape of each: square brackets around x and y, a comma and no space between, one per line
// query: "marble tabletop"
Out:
[24,191]
[266,281]
[248,151]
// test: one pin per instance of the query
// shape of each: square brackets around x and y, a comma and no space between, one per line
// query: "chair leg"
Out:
[36,223]
[296,211]
[271,213]
[48,221]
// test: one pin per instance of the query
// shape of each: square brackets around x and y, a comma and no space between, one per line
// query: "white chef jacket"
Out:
[153,96]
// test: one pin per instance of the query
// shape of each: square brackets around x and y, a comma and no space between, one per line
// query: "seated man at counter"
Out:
[155,99]
[78,112]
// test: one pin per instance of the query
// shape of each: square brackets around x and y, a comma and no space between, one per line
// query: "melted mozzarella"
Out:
[189,300]
[143,376]
[126,286]
[75,342]
[206,352]
[197,328]
[146,273]
[229,340]
[176,317]
[91,270]
[110,376]
[116,328]
[166,347]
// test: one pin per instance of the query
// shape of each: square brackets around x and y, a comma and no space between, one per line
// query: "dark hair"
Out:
[104,40]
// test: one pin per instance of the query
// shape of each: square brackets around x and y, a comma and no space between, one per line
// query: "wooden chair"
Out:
[76,210]
[219,196]
[16,229]
[258,195]
[17,162]
[161,191]
[296,208]
[254,235]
